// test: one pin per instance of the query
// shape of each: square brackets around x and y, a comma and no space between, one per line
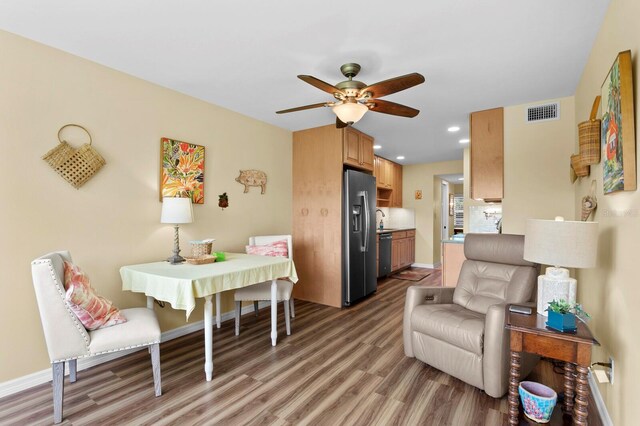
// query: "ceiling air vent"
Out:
[544,112]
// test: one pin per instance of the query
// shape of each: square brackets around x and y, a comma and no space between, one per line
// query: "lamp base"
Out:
[176,259]
[556,284]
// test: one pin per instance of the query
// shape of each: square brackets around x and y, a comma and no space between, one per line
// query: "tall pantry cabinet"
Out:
[319,155]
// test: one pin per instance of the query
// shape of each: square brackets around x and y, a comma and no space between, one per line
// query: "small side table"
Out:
[529,334]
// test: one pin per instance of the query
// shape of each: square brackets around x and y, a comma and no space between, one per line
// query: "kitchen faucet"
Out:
[383,215]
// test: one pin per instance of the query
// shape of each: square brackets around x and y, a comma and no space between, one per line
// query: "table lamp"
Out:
[564,244]
[176,210]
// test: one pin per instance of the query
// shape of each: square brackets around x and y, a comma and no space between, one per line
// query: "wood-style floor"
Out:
[338,367]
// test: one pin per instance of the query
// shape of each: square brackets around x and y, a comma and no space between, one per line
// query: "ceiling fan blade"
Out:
[300,108]
[393,85]
[340,124]
[321,85]
[386,107]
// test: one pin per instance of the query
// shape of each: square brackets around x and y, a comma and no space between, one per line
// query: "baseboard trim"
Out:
[600,405]
[426,265]
[43,376]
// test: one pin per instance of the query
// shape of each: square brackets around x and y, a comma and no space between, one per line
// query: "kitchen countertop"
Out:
[459,240]
[389,230]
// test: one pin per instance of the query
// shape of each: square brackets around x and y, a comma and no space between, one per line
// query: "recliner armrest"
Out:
[496,350]
[418,295]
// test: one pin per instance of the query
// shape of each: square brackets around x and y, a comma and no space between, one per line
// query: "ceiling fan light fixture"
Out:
[350,112]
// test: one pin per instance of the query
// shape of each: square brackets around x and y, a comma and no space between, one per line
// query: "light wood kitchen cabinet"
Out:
[452,260]
[403,251]
[382,173]
[487,154]
[395,254]
[388,182]
[319,155]
[357,149]
[396,192]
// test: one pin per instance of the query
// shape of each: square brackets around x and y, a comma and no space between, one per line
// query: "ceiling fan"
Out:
[354,98]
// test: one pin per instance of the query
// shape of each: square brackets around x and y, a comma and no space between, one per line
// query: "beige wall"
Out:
[115,218]
[610,292]
[536,166]
[422,176]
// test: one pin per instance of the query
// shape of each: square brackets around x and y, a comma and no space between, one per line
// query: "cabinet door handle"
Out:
[304,212]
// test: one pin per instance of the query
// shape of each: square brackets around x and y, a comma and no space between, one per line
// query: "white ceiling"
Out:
[245,55]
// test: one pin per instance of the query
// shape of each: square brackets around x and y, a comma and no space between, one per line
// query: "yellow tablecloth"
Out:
[180,285]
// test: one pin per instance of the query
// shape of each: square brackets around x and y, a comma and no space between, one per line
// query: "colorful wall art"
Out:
[181,170]
[617,133]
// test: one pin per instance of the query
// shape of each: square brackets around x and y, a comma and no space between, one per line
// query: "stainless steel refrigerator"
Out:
[358,236]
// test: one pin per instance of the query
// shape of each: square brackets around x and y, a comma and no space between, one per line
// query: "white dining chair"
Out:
[262,291]
[68,340]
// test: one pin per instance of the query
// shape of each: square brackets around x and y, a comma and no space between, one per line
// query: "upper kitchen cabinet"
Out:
[383,172]
[487,154]
[396,193]
[389,182]
[357,149]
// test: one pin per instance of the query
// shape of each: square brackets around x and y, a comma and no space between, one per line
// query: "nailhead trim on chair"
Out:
[80,327]
[124,348]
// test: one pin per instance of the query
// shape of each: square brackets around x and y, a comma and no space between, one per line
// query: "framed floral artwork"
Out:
[181,170]
[617,132]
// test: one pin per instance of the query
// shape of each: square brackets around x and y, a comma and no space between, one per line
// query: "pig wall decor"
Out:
[252,177]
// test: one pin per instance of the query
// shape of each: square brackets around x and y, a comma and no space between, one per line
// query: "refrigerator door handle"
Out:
[367,220]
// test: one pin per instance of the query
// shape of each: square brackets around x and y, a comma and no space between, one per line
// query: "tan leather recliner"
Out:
[461,330]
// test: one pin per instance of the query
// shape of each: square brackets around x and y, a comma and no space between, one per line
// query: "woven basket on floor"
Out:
[75,165]
[589,136]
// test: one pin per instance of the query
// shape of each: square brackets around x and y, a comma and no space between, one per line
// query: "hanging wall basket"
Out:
[578,165]
[75,165]
[589,136]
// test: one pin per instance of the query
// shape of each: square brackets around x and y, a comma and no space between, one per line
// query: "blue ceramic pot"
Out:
[538,401]
[561,322]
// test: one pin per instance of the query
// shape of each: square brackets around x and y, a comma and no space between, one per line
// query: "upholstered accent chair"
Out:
[461,330]
[262,291]
[68,340]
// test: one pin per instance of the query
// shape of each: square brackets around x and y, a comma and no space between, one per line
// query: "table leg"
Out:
[149,302]
[514,381]
[274,312]
[218,314]
[582,397]
[569,386]
[208,337]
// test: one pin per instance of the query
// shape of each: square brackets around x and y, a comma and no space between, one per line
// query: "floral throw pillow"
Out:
[276,248]
[92,310]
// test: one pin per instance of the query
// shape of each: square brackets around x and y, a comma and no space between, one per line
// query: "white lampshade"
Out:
[176,210]
[570,244]
[350,112]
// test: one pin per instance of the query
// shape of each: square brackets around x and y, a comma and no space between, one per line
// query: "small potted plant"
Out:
[562,315]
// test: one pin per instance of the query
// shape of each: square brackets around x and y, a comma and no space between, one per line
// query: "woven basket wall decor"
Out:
[75,165]
[589,136]
[579,167]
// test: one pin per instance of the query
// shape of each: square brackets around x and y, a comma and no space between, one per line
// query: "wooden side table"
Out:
[529,334]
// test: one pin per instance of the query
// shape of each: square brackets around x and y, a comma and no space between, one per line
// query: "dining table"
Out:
[180,285]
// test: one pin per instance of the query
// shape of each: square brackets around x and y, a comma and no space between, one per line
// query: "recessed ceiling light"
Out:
[400,157]
[461,141]
[377,146]
[461,178]
[453,128]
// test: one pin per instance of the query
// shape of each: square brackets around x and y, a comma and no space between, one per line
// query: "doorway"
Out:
[444,214]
